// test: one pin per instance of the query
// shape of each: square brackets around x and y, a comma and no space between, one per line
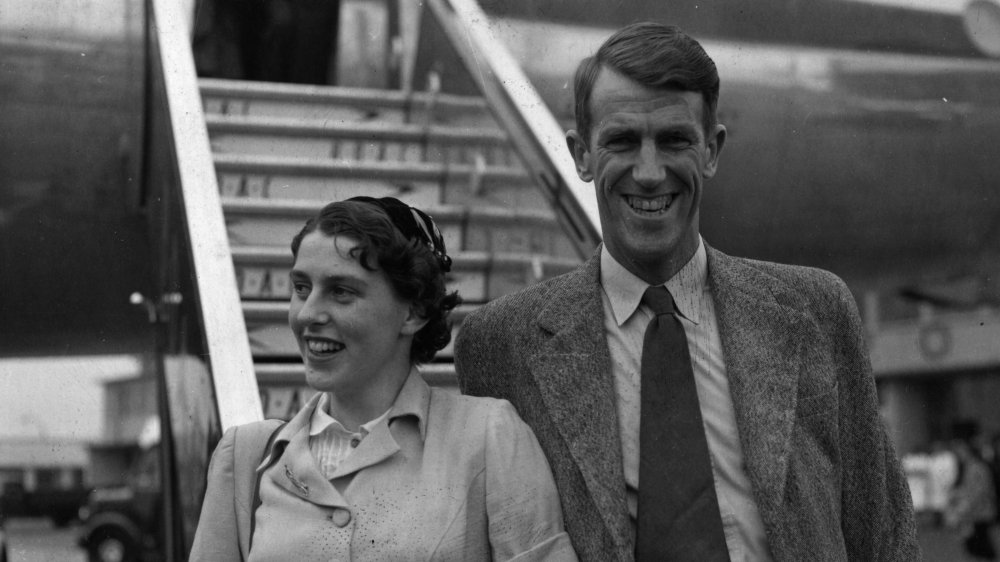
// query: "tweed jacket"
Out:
[823,472]
[444,477]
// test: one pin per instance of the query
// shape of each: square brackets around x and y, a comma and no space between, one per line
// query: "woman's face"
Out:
[353,331]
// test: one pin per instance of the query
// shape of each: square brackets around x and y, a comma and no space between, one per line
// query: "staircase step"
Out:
[265,222]
[420,183]
[420,171]
[355,140]
[262,272]
[233,97]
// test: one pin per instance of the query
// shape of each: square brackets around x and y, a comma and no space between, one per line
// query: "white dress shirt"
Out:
[625,322]
[329,441]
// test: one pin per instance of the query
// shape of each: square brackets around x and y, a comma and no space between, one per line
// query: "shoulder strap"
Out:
[251,444]
[255,500]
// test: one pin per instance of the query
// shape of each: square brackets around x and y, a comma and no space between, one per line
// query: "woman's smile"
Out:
[347,319]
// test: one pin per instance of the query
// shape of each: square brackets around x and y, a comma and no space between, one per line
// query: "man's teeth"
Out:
[650,204]
[323,346]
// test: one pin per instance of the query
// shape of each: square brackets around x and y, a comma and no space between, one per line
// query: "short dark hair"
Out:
[654,55]
[414,272]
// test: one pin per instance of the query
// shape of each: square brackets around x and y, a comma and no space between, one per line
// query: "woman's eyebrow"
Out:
[337,279]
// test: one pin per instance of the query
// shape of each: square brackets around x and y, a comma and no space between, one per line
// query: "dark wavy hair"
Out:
[413,270]
[654,55]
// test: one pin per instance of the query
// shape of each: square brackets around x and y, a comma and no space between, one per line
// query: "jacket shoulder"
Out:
[472,415]
[818,294]
[511,312]
[524,302]
[817,287]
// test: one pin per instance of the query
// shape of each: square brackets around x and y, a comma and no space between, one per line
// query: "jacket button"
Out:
[340,517]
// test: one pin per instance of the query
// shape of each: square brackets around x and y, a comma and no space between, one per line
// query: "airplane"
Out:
[860,141]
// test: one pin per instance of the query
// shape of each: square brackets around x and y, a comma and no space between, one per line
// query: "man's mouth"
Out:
[649,205]
[322,346]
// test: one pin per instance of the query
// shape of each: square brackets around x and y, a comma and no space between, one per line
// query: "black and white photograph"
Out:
[499,280]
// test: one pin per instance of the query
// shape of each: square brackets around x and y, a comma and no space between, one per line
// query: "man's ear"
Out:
[713,144]
[581,154]
[414,321]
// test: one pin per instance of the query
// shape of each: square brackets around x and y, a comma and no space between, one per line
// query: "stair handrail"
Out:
[224,329]
[519,108]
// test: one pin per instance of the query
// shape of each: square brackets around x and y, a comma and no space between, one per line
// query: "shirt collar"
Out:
[322,421]
[413,400]
[624,289]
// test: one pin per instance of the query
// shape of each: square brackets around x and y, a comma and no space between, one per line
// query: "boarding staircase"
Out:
[234,168]
[283,151]
[231,170]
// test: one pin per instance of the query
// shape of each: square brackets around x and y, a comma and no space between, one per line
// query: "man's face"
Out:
[648,155]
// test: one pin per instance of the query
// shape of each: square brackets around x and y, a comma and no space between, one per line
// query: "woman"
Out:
[378,465]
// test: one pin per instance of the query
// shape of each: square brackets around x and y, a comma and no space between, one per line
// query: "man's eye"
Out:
[300,289]
[675,142]
[618,143]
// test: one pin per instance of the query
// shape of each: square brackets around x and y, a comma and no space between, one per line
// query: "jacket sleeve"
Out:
[216,539]
[525,518]
[877,510]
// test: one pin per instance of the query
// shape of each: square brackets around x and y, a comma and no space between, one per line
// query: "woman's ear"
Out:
[415,320]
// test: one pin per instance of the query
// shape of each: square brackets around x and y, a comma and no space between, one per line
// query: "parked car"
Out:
[61,505]
[124,523]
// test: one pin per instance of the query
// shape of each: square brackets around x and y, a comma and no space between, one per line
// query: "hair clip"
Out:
[443,260]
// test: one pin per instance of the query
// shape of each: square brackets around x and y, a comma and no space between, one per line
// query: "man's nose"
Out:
[648,170]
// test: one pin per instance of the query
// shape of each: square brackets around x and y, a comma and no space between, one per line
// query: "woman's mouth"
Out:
[323,347]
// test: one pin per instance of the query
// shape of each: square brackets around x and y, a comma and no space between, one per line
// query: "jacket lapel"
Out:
[295,470]
[297,473]
[763,336]
[572,367]
[374,448]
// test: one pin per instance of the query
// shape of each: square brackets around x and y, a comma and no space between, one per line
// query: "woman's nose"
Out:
[312,312]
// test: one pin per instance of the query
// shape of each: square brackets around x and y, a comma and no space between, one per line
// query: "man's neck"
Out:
[657,271]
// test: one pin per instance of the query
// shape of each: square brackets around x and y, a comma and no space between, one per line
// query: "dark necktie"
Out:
[678,514]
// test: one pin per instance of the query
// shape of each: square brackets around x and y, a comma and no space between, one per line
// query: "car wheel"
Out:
[111,545]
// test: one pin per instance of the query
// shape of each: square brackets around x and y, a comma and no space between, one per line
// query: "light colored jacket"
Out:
[445,477]
[823,473]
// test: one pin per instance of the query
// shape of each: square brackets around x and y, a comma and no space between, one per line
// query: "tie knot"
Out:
[660,300]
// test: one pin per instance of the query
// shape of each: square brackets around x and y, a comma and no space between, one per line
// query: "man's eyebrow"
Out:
[615,129]
[688,131]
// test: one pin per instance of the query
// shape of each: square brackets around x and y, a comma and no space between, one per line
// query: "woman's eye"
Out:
[341,292]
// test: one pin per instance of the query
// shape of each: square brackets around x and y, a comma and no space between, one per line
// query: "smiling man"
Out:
[692,405]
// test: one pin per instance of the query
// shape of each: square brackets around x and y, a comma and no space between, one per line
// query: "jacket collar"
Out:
[765,332]
[297,472]
[572,367]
